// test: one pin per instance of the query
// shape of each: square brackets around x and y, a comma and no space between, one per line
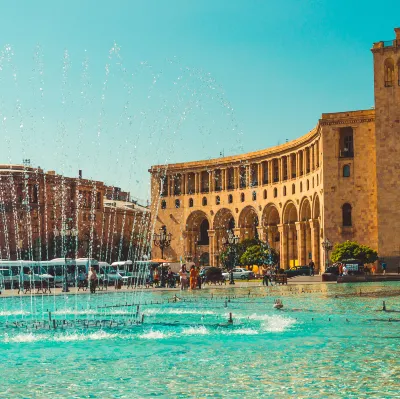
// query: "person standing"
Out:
[92,280]
[384,268]
[312,267]
[198,278]
[183,277]
[193,278]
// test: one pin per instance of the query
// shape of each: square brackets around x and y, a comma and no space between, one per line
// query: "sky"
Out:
[113,87]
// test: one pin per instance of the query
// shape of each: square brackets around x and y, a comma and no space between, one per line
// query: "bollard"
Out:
[49,316]
[230,320]
[54,324]
[384,306]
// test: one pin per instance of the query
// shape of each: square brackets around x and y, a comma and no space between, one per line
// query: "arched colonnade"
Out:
[292,229]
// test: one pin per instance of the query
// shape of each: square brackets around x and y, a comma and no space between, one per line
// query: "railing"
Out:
[204,190]
[389,43]
[293,175]
[388,83]
[218,188]
[265,181]
[346,154]
[231,186]
[276,179]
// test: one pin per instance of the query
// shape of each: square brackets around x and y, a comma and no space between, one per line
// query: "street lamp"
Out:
[231,243]
[162,240]
[66,232]
[327,246]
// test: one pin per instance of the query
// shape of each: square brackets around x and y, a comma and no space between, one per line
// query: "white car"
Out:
[239,273]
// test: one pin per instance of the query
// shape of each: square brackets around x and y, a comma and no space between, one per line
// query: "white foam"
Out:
[150,312]
[242,331]
[13,313]
[277,323]
[98,335]
[200,330]
[88,311]
[25,337]
[152,334]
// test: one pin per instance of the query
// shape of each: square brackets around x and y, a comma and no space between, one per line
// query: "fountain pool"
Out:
[327,341]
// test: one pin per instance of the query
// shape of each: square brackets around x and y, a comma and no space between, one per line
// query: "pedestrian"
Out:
[183,277]
[312,267]
[198,278]
[92,280]
[384,268]
[345,272]
[156,277]
[340,268]
[193,278]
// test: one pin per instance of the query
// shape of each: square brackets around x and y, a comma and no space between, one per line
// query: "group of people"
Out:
[267,273]
[193,280]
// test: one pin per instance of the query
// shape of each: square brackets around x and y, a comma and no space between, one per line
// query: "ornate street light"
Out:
[327,246]
[66,232]
[231,243]
[162,240]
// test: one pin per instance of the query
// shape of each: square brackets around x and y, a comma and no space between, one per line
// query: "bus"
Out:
[15,272]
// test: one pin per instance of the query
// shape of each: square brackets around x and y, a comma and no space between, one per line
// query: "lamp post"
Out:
[65,232]
[327,246]
[162,240]
[231,243]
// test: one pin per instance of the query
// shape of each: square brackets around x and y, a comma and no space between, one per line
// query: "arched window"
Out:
[389,72]
[177,203]
[217,200]
[346,171]
[204,201]
[254,196]
[275,192]
[230,199]
[284,190]
[242,197]
[301,187]
[293,189]
[190,202]
[163,204]
[346,215]
[308,185]
[265,194]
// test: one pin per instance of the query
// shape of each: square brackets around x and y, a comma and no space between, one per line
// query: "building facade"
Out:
[44,215]
[336,183]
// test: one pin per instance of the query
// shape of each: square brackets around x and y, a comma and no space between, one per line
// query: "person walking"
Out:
[183,277]
[92,280]
[312,267]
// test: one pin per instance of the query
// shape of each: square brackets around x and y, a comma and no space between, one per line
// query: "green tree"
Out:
[259,255]
[353,250]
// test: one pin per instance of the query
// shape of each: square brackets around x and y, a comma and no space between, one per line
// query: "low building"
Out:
[44,215]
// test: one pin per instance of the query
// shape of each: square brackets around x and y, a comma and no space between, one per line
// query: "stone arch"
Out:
[224,221]
[289,244]
[316,213]
[289,214]
[197,228]
[305,210]
[270,221]
[248,223]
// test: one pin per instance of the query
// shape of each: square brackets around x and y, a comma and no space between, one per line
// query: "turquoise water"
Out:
[327,342]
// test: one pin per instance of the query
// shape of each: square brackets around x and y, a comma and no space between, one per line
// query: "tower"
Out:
[387,133]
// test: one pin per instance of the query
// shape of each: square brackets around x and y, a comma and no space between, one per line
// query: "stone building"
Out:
[338,182]
[44,215]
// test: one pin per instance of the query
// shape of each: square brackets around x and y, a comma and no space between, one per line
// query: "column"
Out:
[211,236]
[282,228]
[183,188]
[223,183]
[237,176]
[261,233]
[292,245]
[210,181]
[315,243]
[168,177]
[308,242]
[312,167]
[196,182]
[297,164]
[304,162]
[259,174]
[301,250]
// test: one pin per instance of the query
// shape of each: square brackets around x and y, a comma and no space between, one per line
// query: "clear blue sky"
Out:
[188,79]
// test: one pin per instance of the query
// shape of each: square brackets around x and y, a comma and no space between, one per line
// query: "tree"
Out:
[259,255]
[353,250]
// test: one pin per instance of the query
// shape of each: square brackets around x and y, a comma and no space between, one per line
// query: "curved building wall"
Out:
[274,194]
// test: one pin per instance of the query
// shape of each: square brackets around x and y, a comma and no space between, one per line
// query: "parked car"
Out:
[298,271]
[331,273]
[239,273]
